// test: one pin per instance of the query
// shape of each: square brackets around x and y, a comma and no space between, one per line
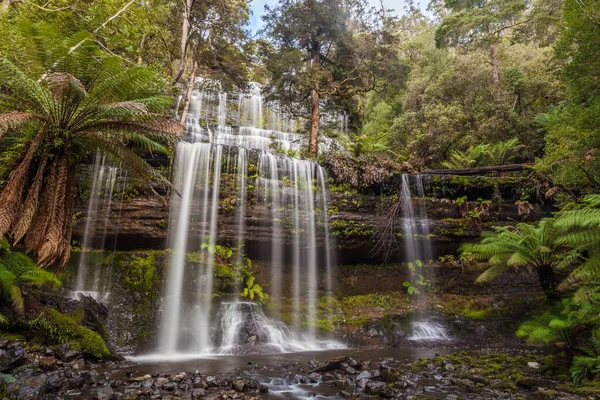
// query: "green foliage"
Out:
[572,134]
[254,290]
[417,280]
[18,271]
[524,245]
[574,323]
[54,327]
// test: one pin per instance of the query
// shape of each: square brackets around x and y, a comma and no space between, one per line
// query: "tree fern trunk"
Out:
[548,283]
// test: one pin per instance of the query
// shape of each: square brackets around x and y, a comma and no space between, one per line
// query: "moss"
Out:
[54,327]
[141,274]
[478,314]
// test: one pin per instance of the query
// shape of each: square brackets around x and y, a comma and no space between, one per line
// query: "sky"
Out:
[258,9]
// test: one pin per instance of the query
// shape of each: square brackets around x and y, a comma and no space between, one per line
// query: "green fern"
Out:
[524,245]
[18,271]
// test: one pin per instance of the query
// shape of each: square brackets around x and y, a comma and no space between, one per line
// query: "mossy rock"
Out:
[54,327]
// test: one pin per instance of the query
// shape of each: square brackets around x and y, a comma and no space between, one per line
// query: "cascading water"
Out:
[107,180]
[417,245]
[294,194]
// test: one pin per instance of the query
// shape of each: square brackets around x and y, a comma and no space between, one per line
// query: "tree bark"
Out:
[5,5]
[140,59]
[495,69]
[185,39]
[315,107]
[548,283]
[188,95]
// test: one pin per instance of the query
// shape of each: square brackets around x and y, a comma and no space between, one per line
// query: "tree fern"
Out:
[581,226]
[69,100]
[524,245]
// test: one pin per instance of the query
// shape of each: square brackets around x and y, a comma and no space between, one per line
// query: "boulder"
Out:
[13,357]
[28,388]
[104,393]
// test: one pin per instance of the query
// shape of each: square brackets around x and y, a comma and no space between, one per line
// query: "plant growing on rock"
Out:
[17,271]
[254,290]
[64,101]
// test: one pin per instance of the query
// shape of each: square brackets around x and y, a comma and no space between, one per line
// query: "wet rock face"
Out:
[355,219]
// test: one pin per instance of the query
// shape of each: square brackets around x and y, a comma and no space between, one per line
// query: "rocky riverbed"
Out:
[37,372]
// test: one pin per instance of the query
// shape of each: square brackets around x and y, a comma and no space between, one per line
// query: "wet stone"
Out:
[364,375]
[28,388]
[104,393]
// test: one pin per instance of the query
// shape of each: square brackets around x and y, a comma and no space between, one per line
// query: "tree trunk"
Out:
[188,96]
[477,170]
[548,283]
[495,69]
[315,107]
[140,60]
[185,33]
[5,5]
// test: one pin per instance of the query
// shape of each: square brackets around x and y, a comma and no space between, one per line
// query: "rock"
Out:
[452,397]
[54,382]
[314,377]
[239,385]
[140,378]
[362,383]
[263,389]
[28,388]
[527,382]
[104,393]
[66,353]
[344,394]
[350,370]
[466,385]
[12,358]
[198,393]
[364,375]
[130,395]
[47,363]
[379,388]
[449,367]
[160,382]
[533,364]
[147,383]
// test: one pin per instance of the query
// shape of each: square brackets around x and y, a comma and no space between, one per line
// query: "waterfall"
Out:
[106,181]
[294,195]
[417,246]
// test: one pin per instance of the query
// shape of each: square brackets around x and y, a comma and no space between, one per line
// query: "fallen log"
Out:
[477,170]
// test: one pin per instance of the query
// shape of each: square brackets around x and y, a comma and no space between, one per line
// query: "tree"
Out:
[322,49]
[212,34]
[70,103]
[572,139]
[524,245]
[480,24]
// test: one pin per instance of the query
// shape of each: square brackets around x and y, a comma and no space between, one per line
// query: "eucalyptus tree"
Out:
[64,100]
[213,36]
[481,24]
[323,49]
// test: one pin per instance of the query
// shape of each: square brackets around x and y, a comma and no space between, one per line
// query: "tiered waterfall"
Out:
[237,135]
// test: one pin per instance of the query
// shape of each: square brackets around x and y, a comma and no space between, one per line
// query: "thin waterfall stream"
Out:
[417,244]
